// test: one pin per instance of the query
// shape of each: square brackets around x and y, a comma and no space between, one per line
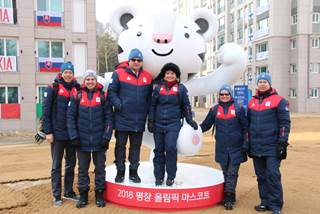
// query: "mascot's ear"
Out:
[121,16]
[207,22]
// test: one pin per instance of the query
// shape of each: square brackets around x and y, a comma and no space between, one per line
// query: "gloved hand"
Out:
[282,150]
[192,123]
[39,137]
[75,142]
[106,143]
[150,126]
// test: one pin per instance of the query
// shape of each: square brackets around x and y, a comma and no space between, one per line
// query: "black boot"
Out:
[229,198]
[119,177]
[99,198]
[83,201]
[133,176]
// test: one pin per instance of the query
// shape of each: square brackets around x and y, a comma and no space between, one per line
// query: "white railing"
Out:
[262,55]
[262,32]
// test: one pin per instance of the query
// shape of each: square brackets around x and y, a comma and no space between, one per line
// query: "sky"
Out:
[104,7]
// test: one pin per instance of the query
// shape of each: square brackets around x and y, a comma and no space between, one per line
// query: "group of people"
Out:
[78,120]
[260,133]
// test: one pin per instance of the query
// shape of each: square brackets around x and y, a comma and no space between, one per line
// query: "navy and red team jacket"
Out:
[130,94]
[54,111]
[231,128]
[168,106]
[269,123]
[90,120]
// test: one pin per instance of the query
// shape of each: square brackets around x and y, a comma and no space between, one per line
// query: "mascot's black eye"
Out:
[139,33]
[186,35]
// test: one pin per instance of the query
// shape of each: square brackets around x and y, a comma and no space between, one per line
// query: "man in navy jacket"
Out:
[269,128]
[130,93]
[55,103]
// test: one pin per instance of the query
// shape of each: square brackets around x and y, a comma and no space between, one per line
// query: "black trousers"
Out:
[58,148]
[84,159]
[135,139]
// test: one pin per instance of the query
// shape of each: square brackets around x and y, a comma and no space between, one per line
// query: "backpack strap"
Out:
[55,86]
[215,109]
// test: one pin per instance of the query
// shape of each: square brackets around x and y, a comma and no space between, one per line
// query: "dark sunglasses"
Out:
[224,95]
[136,60]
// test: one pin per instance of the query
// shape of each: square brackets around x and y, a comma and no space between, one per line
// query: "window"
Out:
[294,19]
[50,49]
[314,92]
[315,17]
[262,69]
[314,67]
[41,90]
[293,44]
[261,3]
[50,5]
[240,14]
[263,47]
[263,24]
[293,93]
[221,24]
[220,41]
[220,6]
[49,13]
[293,68]
[231,18]
[240,33]
[9,94]
[315,42]
[50,55]
[8,54]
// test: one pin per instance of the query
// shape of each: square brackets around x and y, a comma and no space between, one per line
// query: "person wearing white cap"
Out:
[89,120]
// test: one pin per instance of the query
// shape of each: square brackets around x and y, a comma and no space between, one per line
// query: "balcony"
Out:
[250,37]
[262,56]
[262,9]
[262,32]
[250,59]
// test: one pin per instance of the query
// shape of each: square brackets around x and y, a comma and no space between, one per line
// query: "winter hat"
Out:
[170,66]
[67,66]
[227,88]
[135,54]
[264,76]
[90,73]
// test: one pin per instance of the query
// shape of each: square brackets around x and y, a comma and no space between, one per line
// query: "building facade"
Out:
[279,37]
[36,37]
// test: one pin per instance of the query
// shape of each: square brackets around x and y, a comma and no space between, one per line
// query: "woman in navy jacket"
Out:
[169,104]
[231,131]
[90,120]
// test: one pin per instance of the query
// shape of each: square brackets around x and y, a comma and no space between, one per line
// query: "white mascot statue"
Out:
[164,37]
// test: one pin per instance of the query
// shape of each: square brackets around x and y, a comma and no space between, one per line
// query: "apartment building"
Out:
[279,37]
[36,37]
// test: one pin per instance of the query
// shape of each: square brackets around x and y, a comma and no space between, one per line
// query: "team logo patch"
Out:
[161,89]
[252,104]
[175,89]
[144,79]
[218,113]
[98,100]
[233,112]
[268,104]
[82,101]
[128,78]
[61,91]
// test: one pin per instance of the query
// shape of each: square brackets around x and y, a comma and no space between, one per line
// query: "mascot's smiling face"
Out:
[164,37]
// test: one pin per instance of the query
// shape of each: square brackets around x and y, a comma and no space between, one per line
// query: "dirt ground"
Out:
[25,171]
